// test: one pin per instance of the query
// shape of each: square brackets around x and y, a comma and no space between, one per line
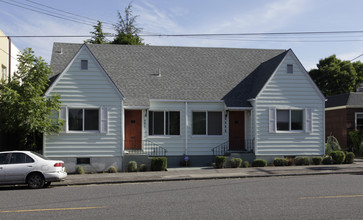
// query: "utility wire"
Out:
[45,12]
[70,13]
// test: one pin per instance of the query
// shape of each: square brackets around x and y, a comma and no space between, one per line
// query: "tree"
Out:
[99,37]
[127,32]
[334,76]
[24,112]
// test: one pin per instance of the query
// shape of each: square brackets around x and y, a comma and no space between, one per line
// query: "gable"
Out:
[292,87]
[84,86]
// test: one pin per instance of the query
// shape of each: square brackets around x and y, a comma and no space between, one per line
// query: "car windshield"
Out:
[39,155]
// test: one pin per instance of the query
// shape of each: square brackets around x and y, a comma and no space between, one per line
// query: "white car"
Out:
[25,167]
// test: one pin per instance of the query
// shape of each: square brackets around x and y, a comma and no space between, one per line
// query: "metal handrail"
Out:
[144,147]
[221,149]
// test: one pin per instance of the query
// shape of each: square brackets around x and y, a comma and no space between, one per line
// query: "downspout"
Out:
[186,129]
[9,59]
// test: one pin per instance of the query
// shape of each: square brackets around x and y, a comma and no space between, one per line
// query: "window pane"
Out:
[172,123]
[91,119]
[359,121]
[20,158]
[151,119]
[199,123]
[214,123]
[159,123]
[3,158]
[283,120]
[296,120]
[84,64]
[75,119]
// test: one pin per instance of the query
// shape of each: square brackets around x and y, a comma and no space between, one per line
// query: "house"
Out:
[8,57]
[344,113]
[120,100]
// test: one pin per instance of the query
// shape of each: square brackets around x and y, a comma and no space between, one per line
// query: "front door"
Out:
[236,130]
[133,129]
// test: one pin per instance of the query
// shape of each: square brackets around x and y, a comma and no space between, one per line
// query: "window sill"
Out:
[83,132]
[162,136]
[290,132]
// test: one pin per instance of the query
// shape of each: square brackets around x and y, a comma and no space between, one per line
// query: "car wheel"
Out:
[35,181]
[47,184]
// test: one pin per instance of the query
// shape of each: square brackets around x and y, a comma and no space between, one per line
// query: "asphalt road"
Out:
[299,197]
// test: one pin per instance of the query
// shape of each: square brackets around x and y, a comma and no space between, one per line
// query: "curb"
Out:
[199,178]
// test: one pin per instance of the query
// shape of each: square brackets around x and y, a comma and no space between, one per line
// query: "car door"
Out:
[19,166]
[3,161]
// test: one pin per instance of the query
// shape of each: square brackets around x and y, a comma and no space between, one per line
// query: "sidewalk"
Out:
[203,173]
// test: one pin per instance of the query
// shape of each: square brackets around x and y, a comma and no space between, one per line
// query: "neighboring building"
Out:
[8,57]
[118,100]
[344,113]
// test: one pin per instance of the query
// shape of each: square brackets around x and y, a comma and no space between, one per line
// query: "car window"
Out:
[3,158]
[20,158]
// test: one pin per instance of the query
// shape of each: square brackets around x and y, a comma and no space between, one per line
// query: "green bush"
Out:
[259,163]
[220,162]
[112,169]
[143,168]
[332,144]
[327,160]
[79,170]
[357,137]
[349,157]
[159,163]
[132,166]
[245,164]
[338,157]
[316,160]
[280,162]
[236,162]
[300,161]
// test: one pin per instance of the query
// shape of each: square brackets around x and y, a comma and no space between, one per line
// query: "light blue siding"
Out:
[289,91]
[87,89]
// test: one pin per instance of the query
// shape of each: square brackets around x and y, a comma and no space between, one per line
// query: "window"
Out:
[3,73]
[358,121]
[207,123]
[3,158]
[20,158]
[164,123]
[84,160]
[84,64]
[289,120]
[290,68]
[83,119]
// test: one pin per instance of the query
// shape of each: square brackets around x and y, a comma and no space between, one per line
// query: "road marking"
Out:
[55,209]
[331,197]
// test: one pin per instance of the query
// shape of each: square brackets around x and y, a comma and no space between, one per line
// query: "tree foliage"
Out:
[334,76]
[24,111]
[99,37]
[127,32]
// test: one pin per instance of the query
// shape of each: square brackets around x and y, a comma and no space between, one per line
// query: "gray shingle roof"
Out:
[186,73]
[347,99]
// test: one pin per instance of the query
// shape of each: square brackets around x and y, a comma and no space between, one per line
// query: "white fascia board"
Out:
[169,100]
[136,107]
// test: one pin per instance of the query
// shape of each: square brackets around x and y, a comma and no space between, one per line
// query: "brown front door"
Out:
[236,130]
[133,129]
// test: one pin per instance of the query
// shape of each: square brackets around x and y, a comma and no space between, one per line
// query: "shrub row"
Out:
[220,162]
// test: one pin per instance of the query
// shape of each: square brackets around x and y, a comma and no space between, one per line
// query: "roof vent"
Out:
[60,51]
[157,74]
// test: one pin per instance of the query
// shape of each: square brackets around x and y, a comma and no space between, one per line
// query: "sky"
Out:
[183,17]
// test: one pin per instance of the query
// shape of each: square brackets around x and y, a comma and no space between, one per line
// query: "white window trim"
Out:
[291,131]
[83,120]
[164,114]
[356,119]
[206,124]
